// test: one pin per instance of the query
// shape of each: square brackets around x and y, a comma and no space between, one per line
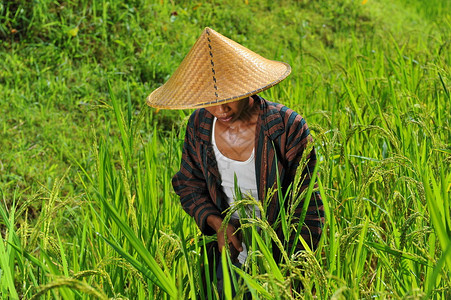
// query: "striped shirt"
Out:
[280,139]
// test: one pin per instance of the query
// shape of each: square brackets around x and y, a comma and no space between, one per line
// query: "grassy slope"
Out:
[379,114]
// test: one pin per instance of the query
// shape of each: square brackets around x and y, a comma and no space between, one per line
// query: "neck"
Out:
[248,117]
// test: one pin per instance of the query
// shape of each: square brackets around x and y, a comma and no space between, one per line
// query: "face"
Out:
[228,113]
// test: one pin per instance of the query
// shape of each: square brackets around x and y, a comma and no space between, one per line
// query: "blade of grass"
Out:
[253,285]
[63,254]
[436,206]
[162,280]
[307,199]
[273,268]
[7,273]
[227,288]
[437,269]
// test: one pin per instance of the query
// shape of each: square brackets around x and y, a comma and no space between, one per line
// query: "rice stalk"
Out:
[71,283]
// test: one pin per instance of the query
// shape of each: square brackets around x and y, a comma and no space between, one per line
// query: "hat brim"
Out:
[217,102]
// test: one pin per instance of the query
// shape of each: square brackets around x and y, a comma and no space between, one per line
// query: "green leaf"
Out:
[226,276]
[273,268]
[162,280]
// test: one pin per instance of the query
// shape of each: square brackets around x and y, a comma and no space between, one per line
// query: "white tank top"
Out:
[246,181]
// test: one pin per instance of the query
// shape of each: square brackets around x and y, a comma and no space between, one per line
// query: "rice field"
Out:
[87,207]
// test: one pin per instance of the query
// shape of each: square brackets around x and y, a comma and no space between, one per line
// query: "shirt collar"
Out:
[271,121]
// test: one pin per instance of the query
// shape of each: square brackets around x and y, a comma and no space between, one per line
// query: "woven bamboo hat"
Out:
[215,71]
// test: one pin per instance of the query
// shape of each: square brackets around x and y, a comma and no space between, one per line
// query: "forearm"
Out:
[201,208]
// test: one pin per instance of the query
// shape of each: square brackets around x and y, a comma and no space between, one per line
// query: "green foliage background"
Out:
[85,166]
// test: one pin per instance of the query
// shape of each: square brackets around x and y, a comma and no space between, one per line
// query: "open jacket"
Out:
[280,139]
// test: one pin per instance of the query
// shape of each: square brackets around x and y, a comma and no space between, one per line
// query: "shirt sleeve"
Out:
[190,183]
[299,141]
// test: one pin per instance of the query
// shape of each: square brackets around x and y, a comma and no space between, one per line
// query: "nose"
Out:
[222,108]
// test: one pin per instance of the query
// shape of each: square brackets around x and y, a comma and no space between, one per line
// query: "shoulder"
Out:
[277,114]
[198,117]
[200,124]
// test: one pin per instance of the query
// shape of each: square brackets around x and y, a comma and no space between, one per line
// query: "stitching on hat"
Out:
[287,72]
[212,65]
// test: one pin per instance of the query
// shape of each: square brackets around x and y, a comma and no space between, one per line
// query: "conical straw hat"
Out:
[215,71]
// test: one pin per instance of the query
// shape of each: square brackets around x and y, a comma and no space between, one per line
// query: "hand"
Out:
[232,239]
[215,222]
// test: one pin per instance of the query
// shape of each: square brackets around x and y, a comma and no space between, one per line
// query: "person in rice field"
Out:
[236,137]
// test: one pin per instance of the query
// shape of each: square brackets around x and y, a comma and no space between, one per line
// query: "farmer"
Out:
[235,133]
